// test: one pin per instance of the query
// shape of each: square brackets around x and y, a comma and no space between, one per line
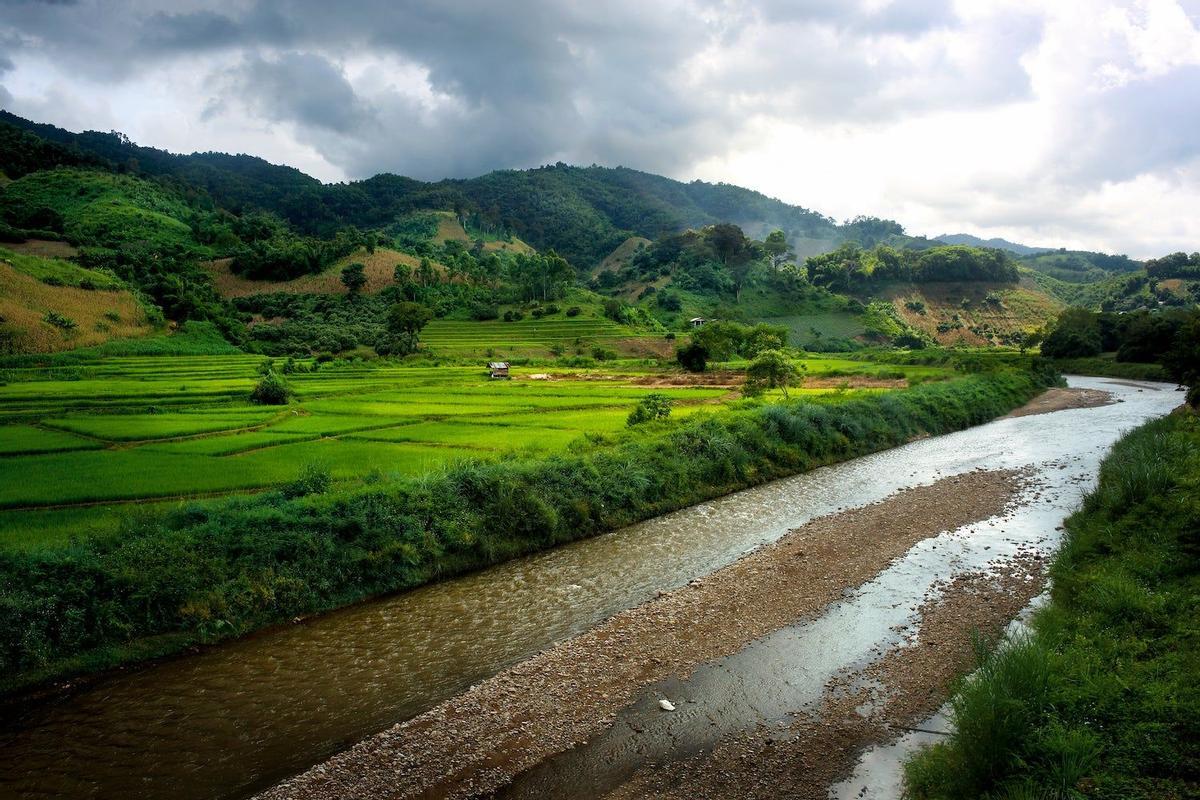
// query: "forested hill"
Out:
[582,212]
[996,243]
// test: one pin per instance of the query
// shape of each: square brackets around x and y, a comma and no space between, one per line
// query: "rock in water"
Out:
[666,705]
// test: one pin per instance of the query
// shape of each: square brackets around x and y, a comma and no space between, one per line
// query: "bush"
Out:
[574,311]
[653,406]
[693,357]
[603,353]
[271,390]
[59,321]
[313,479]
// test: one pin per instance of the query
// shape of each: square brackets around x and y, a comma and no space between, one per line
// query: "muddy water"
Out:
[238,717]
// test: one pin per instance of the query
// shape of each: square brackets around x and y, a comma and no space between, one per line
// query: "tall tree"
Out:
[777,248]
[354,278]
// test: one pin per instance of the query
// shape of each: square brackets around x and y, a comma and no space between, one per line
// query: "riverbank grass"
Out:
[1102,698]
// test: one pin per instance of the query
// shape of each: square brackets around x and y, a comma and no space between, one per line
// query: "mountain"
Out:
[582,212]
[999,244]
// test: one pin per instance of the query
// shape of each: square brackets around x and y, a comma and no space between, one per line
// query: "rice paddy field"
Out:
[82,447]
[458,338]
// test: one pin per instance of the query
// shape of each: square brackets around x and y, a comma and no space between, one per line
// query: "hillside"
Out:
[581,212]
[48,304]
[997,243]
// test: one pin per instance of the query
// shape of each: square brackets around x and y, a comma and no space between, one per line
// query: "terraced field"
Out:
[79,444]
[146,429]
[528,336]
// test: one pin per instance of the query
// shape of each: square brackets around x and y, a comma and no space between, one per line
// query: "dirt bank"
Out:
[1061,399]
[477,742]
[873,706]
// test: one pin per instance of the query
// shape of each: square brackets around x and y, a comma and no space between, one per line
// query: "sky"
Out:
[1069,123]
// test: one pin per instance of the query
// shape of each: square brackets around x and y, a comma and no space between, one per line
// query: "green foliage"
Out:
[57,272]
[1101,700]
[1076,334]
[313,479]
[59,321]
[652,407]
[850,268]
[693,356]
[271,390]
[354,278]
[725,340]
[771,369]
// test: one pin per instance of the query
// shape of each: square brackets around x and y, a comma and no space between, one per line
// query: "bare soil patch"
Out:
[1059,399]
[478,741]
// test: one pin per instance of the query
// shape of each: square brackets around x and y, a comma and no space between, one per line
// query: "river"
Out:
[236,718]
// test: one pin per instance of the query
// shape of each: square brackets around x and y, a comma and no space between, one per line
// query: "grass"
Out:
[27,304]
[57,272]
[1102,698]
[379,270]
[398,504]
[143,428]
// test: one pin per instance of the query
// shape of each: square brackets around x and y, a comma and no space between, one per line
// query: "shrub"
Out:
[603,353]
[313,479]
[271,390]
[574,311]
[59,321]
[693,357]
[653,406]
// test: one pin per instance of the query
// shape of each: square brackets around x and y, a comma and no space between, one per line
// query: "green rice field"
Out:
[79,445]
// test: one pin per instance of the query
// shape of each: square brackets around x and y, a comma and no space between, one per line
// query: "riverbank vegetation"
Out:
[1102,698]
[159,581]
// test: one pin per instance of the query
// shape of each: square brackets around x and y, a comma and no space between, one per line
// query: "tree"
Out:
[1076,334]
[354,278]
[402,274]
[735,252]
[653,406]
[1182,360]
[771,369]
[1029,339]
[777,248]
[693,357]
[271,390]
[407,318]
[425,273]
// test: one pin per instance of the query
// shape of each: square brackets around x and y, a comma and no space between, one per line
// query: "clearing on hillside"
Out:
[449,229]
[36,317]
[380,267]
[620,257]
[974,313]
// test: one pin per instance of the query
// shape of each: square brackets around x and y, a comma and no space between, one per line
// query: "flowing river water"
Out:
[236,718]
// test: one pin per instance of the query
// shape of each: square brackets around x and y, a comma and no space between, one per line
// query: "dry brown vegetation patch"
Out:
[45,248]
[98,315]
[379,268]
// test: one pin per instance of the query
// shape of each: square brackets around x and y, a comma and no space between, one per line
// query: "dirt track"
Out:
[477,742]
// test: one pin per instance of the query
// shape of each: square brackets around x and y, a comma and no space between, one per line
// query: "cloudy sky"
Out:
[1073,122]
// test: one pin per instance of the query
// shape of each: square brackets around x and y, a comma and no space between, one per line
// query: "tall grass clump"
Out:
[1102,699]
[221,569]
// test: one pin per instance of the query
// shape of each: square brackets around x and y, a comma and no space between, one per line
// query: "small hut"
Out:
[698,321]
[498,369]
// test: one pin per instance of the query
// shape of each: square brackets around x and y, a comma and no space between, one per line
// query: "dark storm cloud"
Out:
[507,84]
